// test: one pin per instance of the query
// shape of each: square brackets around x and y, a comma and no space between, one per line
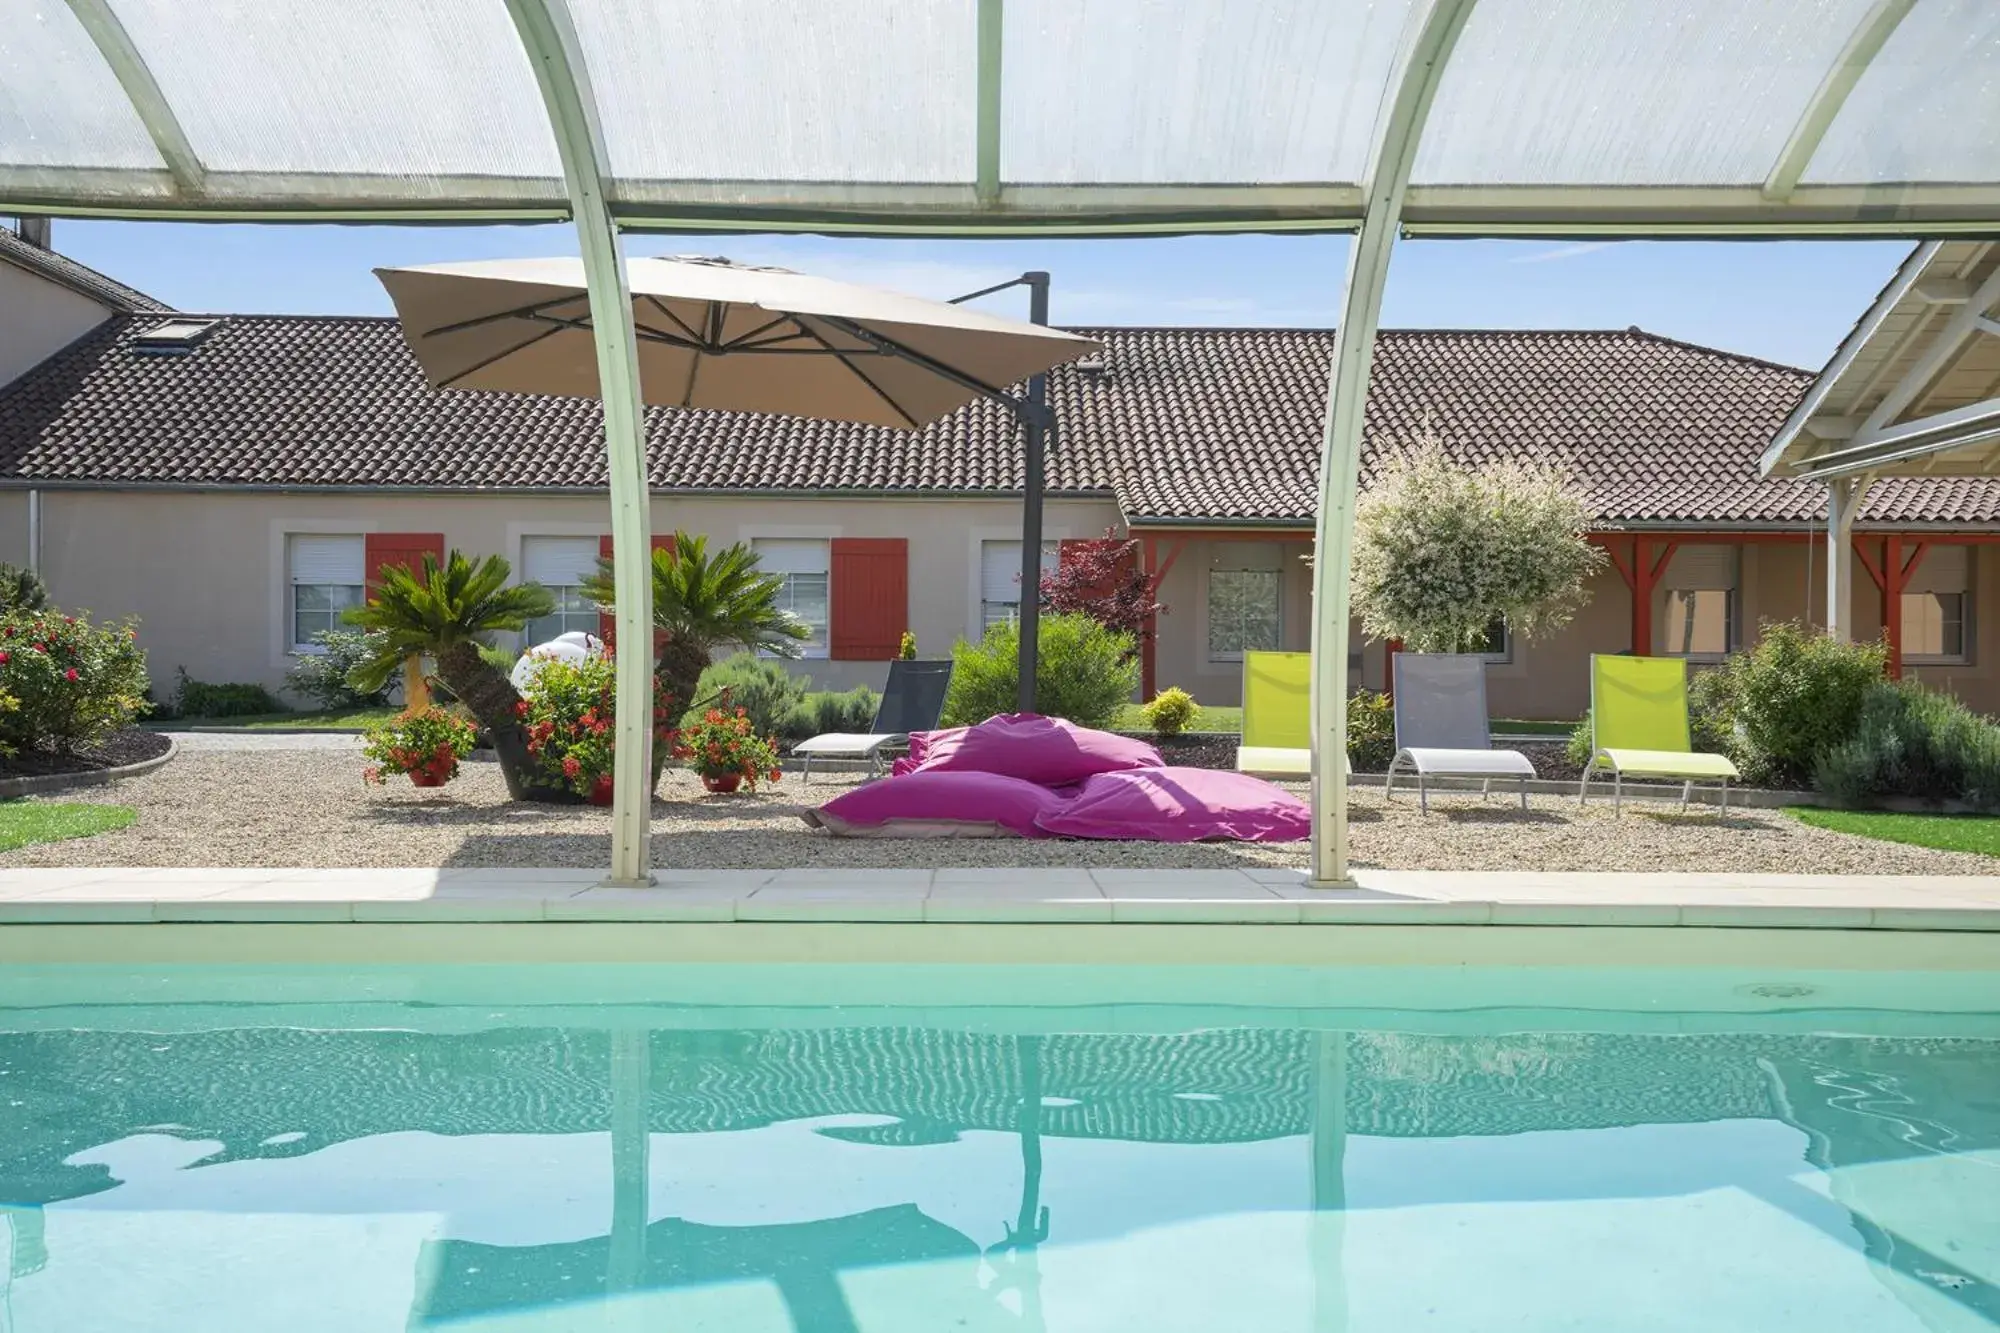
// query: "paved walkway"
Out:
[1258,896]
[259,740]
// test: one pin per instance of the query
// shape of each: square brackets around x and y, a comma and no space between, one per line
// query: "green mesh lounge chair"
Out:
[1277,716]
[1639,726]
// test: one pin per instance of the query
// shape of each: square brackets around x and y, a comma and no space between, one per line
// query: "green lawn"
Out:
[338,719]
[25,822]
[1205,719]
[1948,833]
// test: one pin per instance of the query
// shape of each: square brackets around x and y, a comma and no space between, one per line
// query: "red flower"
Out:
[5,658]
[39,647]
[571,767]
[520,708]
[70,674]
[775,775]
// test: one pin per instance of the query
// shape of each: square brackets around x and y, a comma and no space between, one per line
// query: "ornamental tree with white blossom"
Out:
[1442,551]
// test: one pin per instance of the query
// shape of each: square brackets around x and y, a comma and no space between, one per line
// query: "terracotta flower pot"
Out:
[600,791]
[437,772]
[722,782]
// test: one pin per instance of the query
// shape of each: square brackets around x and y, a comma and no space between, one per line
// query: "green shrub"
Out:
[73,683]
[1582,744]
[22,590]
[1171,711]
[760,686]
[322,677]
[907,648]
[850,711]
[1371,731]
[198,698]
[1795,696]
[1913,741]
[1085,673]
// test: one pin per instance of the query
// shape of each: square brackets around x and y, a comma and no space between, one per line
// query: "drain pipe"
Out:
[34,532]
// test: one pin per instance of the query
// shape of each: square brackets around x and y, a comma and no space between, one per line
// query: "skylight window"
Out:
[176,335]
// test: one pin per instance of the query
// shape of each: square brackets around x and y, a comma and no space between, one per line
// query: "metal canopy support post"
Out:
[1035,433]
[550,38]
[1843,497]
[1399,126]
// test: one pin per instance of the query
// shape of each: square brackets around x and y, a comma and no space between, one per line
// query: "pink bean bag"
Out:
[939,805]
[1180,805]
[1047,751]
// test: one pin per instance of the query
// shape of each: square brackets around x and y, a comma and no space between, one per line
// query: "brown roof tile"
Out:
[1217,425]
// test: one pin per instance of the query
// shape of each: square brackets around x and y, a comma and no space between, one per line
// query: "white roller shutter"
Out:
[1700,568]
[1943,569]
[320,560]
[558,562]
[791,555]
[1000,569]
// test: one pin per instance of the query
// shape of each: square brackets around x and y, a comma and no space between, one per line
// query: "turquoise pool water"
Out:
[895,1150]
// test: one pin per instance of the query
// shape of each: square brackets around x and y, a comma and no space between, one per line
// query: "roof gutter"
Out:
[34,484]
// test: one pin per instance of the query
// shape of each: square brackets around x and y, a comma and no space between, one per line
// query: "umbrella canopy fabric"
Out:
[714,334]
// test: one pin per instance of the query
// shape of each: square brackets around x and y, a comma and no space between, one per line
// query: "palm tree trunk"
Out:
[679,668]
[484,689]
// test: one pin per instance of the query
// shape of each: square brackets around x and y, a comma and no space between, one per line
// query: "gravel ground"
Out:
[309,807]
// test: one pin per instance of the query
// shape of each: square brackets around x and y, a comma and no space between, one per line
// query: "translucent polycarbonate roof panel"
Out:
[61,106]
[351,97]
[1628,92]
[1928,107]
[804,98]
[1193,92]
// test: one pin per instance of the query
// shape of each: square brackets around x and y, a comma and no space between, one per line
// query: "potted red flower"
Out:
[568,716]
[425,744]
[726,751]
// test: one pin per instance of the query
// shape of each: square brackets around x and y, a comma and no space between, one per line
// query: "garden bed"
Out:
[134,745]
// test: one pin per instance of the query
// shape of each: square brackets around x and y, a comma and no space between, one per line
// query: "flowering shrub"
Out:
[568,716]
[74,683]
[907,648]
[718,744]
[428,742]
[1442,551]
[1101,578]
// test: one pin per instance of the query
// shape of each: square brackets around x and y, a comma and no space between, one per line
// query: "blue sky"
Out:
[1786,301]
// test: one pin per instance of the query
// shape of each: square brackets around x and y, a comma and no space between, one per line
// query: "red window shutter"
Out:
[870,598]
[662,541]
[408,549]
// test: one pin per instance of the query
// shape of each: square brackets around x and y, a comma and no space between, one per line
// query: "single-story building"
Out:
[233,480]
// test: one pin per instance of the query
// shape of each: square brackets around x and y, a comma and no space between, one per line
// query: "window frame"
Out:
[1966,631]
[1732,632]
[585,609]
[820,649]
[1228,657]
[1051,560]
[335,614]
[1506,654]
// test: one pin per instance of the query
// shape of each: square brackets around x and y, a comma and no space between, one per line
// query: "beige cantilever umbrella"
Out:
[720,335]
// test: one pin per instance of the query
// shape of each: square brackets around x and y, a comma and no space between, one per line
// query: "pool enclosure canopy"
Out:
[995,117]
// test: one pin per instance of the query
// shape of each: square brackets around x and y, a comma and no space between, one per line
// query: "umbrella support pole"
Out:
[1399,125]
[549,37]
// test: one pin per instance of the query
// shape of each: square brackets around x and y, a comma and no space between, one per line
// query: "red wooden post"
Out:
[1892,601]
[1389,651]
[1642,597]
[1149,682]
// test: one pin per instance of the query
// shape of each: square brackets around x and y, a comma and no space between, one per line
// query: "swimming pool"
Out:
[893,1147]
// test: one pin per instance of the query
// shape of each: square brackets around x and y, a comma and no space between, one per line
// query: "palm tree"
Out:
[446,614]
[702,602]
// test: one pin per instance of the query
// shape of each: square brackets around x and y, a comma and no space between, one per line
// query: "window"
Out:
[802,563]
[1498,645]
[1937,608]
[1000,580]
[1700,614]
[1244,592]
[326,577]
[560,564]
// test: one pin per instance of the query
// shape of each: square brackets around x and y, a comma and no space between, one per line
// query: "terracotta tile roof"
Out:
[1189,425]
[67,272]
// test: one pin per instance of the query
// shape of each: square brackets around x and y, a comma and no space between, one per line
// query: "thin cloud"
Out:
[1563,252]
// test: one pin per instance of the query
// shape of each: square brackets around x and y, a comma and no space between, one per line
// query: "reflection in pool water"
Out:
[447,1170]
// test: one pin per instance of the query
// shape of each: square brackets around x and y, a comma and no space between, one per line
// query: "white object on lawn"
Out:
[574,646]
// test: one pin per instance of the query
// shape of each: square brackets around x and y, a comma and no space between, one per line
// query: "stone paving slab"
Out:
[1214,897]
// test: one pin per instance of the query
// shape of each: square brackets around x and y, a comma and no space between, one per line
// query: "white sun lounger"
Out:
[913,700]
[1441,726]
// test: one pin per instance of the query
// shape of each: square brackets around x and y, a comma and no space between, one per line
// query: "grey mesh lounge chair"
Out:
[1441,727]
[913,700]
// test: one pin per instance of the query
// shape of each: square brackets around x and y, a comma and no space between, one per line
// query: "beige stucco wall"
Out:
[206,572]
[39,318]
[13,527]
